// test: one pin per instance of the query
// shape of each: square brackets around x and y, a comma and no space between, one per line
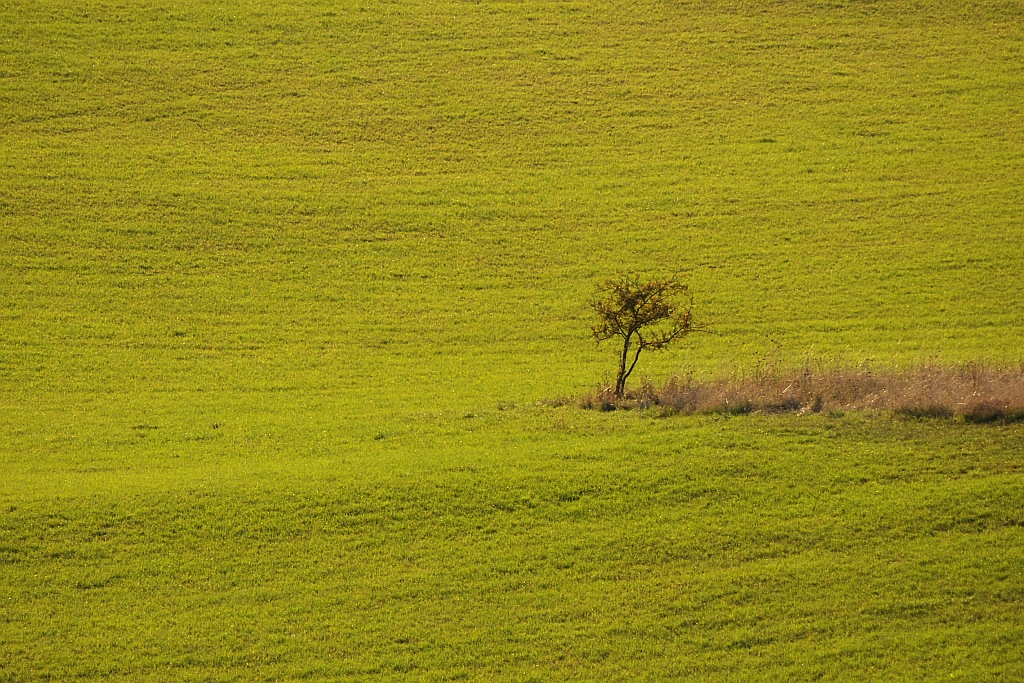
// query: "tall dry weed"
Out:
[975,392]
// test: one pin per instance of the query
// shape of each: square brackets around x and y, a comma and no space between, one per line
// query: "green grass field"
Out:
[285,289]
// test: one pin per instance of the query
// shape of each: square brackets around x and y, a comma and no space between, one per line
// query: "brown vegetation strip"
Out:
[974,392]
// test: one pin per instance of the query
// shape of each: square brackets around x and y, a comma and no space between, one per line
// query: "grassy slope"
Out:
[335,231]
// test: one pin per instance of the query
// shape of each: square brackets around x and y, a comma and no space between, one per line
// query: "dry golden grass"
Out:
[973,392]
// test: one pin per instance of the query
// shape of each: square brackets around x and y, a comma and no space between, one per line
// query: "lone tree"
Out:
[644,314]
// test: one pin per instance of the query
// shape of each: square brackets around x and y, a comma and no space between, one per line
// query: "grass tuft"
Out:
[974,392]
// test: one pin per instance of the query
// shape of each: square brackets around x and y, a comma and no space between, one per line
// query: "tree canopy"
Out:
[644,314]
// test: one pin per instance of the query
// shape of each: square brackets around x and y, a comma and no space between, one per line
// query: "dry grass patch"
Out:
[973,392]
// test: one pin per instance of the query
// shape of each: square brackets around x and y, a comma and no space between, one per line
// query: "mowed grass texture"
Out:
[564,545]
[283,283]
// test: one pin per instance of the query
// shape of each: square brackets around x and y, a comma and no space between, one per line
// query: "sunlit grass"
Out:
[283,284]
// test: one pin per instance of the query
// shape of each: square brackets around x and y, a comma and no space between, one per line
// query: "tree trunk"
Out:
[620,379]
[622,382]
